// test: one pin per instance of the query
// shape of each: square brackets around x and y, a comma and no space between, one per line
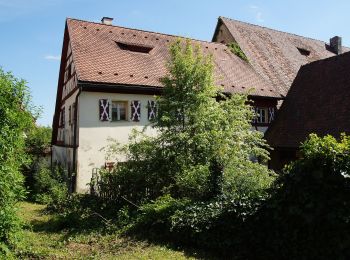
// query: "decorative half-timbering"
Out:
[152,110]
[135,110]
[104,110]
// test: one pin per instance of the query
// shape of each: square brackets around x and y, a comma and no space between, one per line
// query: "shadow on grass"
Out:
[73,226]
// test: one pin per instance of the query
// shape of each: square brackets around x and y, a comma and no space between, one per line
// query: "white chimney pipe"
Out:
[107,20]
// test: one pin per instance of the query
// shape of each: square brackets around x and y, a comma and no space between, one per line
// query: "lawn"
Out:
[44,239]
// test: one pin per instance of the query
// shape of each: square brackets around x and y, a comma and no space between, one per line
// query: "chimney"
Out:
[107,20]
[335,44]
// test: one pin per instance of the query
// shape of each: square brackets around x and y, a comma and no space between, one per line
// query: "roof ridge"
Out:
[264,27]
[141,30]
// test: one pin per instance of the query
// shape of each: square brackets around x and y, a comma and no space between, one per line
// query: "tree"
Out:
[204,146]
[15,120]
[37,143]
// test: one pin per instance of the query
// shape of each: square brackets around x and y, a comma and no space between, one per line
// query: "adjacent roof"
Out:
[318,102]
[100,55]
[274,54]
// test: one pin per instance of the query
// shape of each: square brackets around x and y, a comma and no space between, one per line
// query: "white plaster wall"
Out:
[93,133]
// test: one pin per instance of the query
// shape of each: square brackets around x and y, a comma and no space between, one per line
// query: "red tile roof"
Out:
[318,102]
[274,54]
[98,58]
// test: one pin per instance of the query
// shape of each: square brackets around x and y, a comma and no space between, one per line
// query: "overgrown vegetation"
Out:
[201,170]
[15,119]
[308,215]
[236,49]
[37,143]
[202,183]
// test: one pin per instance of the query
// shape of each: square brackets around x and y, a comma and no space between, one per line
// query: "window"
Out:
[69,71]
[134,48]
[304,51]
[119,110]
[70,115]
[262,115]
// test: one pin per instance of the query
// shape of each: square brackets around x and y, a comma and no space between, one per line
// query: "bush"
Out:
[308,215]
[50,186]
[15,119]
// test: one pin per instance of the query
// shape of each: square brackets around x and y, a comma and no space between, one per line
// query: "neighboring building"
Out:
[318,102]
[275,55]
[108,79]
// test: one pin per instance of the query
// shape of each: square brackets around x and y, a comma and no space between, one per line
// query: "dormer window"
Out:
[304,52]
[134,47]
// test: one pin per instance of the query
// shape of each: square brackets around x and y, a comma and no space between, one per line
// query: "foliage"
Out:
[50,185]
[236,49]
[204,140]
[37,145]
[15,120]
[201,174]
[308,214]
[38,140]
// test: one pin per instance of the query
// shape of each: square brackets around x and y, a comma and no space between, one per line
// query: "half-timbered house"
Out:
[108,79]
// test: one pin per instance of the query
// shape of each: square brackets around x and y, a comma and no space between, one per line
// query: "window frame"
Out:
[126,103]
[258,116]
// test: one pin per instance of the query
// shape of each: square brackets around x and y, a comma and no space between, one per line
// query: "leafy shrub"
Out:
[50,186]
[155,217]
[16,117]
[308,215]
[217,224]
[37,143]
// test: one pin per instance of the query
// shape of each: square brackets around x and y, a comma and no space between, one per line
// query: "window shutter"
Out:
[152,110]
[104,109]
[135,110]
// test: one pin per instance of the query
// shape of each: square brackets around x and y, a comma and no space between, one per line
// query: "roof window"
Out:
[134,47]
[304,51]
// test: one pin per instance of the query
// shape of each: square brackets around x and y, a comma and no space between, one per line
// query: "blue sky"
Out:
[32,30]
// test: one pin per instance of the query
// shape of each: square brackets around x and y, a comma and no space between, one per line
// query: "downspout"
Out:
[75,146]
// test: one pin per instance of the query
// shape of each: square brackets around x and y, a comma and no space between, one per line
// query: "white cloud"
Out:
[257,13]
[52,57]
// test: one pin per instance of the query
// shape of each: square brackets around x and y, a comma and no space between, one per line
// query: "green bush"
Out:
[308,215]
[155,217]
[15,119]
[50,186]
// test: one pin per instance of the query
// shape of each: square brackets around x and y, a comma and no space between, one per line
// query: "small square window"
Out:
[119,110]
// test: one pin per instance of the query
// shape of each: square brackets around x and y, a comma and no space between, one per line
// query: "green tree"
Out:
[204,146]
[15,120]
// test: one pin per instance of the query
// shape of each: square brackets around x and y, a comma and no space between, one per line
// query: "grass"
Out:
[43,238]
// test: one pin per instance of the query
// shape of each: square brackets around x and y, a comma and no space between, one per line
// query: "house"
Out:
[318,102]
[109,76]
[275,55]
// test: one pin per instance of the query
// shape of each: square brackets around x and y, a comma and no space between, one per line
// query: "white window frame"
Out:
[118,110]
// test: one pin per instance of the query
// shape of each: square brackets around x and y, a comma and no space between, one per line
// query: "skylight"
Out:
[304,51]
[134,47]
